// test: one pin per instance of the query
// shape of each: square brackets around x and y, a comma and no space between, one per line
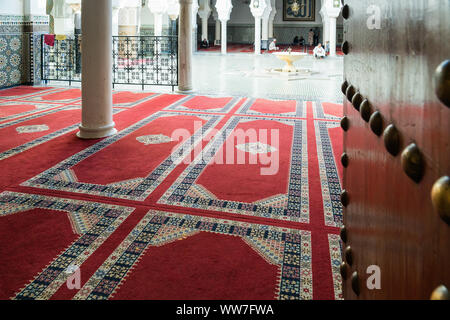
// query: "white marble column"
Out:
[97,107]
[265,29]
[218,32]
[326,30]
[224,37]
[272,17]
[185,47]
[224,8]
[194,11]
[332,9]
[257,8]
[204,28]
[326,25]
[204,12]
[217,27]
[257,35]
[332,36]
[265,24]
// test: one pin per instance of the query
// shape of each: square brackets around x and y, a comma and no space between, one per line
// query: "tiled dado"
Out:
[20,38]
[20,24]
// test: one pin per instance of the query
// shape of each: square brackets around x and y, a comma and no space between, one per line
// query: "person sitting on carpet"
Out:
[204,44]
[302,41]
[319,52]
[273,45]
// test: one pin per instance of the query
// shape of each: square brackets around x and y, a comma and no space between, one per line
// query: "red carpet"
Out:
[21,91]
[206,103]
[126,98]
[32,128]
[273,107]
[17,109]
[60,96]
[205,256]
[195,198]
[248,48]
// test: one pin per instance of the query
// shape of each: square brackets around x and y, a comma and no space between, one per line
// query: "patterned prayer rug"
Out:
[195,197]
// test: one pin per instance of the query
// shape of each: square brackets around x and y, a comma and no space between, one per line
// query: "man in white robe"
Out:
[273,45]
[319,52]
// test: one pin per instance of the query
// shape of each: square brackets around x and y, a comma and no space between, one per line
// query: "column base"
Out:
[185,91]
[96,133]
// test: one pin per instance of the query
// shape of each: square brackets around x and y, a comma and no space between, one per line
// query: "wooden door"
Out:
[390,221]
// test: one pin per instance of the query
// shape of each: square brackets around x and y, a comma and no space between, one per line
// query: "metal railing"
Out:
[137,60]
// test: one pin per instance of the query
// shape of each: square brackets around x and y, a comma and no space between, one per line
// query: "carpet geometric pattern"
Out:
[195,197]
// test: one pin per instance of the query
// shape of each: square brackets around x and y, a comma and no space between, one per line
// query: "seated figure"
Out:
[273,45]
[319,52]
[296,41]
[205,44]
[302,41]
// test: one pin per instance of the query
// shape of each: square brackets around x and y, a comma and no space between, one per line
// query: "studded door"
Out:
[397,149]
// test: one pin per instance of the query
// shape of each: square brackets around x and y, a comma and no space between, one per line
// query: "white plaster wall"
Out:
[241,13]
[11,7]
[35,7]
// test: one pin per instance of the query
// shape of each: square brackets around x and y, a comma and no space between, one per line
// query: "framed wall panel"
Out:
[299,10]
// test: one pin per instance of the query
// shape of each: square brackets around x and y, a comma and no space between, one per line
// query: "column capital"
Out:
[268,10]
[273,12]
[257,7]
[332,8]
[214,10]
[224,8]
[195,7]
[173,9]
[184,2]
[204,9]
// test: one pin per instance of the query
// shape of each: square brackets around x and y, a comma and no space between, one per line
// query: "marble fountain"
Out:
[289,58]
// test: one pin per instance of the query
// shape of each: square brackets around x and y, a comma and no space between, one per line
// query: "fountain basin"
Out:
[289,58]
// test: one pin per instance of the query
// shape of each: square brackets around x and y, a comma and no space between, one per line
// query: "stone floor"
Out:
[246,75]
